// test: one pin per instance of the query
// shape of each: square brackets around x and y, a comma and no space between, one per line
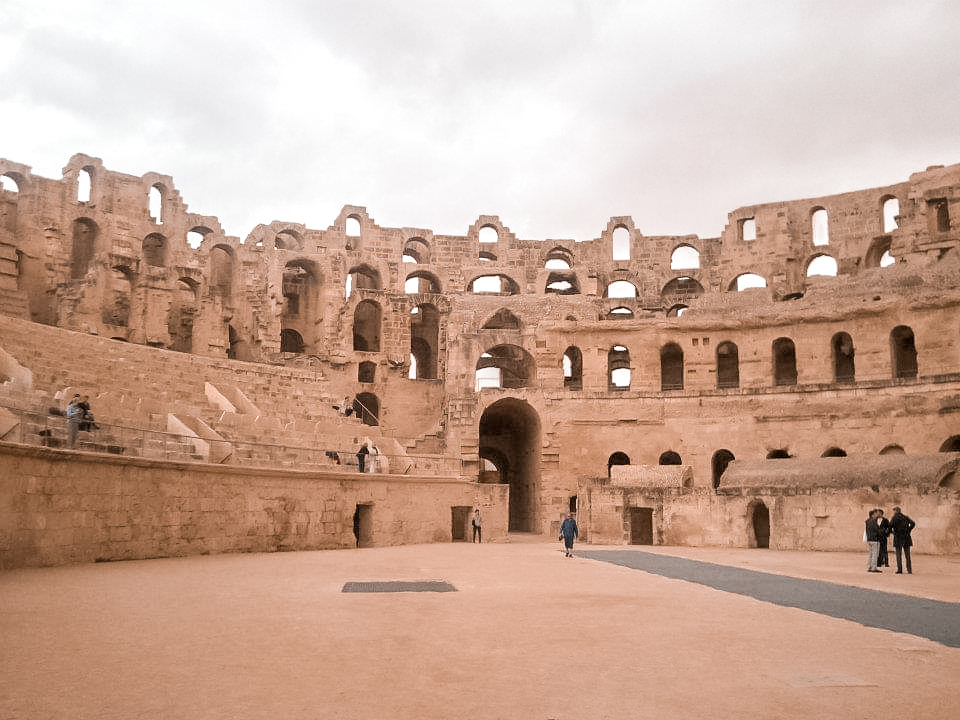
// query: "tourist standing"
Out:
[901,526]
[477,524]
[872,536]
[568,532]
[74,415]
[362,456]
[883,555]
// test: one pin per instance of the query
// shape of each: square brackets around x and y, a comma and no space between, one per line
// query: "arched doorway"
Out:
[509,437]
[759,519]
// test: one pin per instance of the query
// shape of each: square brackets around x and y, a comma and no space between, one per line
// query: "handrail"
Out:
[46,430]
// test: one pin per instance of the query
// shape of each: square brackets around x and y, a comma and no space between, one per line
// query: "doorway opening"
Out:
[509,438]
[641,525]
[363,525]
[759,516]
[459,521]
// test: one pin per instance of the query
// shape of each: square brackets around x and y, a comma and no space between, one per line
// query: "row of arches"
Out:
[509,366]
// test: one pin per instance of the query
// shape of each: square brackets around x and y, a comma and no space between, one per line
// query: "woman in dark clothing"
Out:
[883,557]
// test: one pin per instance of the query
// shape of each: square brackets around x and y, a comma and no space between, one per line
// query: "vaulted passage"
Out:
[510,439]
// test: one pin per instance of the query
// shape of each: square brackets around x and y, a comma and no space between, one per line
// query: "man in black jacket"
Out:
[901,526]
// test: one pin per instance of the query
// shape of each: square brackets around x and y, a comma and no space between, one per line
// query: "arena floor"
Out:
[527,634]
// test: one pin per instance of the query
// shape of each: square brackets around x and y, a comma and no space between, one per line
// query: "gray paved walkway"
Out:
[932,619]
[526,634]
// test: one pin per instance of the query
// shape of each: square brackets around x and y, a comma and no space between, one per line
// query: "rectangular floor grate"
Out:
[399,586]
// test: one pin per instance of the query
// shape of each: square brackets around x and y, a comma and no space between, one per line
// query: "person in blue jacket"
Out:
[569,531]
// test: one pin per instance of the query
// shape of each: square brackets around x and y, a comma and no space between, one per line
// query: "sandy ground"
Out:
[529,634]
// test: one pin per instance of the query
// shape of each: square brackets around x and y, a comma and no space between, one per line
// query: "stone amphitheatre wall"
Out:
[61,507]
[102,292]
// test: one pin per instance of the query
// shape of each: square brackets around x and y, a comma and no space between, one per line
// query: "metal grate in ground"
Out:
[399,586]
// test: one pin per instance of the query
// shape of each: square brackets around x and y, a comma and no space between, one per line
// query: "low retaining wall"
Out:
[59,507]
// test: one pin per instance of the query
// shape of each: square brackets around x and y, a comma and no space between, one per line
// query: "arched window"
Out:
[180,317]
[784,362]
[621,243]
[572,369]
[620,313]
[671,367]
[890,211]
[721,458]
[488,235]
[291,342]
[352,226]
[823,265]
[156,203]
[419,283]
[621,289]
[366,406]
[748,229]
[685,257]
[834,452]
[618,368]
[424,341]
[843,364]
[84,185]
[728,365]
[366,326]
[516,367]
[820,226]
[9,184]
[746,281]
[670,458]
[117,297]
[494,285]
[502,319]
[617,458]
[416,250]
[938,211]
[904,352]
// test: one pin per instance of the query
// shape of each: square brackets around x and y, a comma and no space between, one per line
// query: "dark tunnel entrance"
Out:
[510,438]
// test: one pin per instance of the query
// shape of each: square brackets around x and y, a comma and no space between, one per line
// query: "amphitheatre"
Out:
[764,388]
[720,413]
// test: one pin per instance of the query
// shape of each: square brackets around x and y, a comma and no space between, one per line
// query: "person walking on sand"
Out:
[568,532]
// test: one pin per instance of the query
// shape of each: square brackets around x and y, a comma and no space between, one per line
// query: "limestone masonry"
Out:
[766,387]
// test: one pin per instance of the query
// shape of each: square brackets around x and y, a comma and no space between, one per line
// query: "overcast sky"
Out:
[553,114]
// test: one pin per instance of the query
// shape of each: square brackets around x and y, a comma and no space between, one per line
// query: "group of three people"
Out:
[878,529]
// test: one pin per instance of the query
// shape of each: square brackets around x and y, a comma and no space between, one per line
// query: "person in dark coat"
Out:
[901,526]
[883,557]
[569,531]
[873,536]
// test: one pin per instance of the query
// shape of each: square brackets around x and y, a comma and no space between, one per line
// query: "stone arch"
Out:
[878,251]
[889,213]
[685,257]
[517,367]
[417,249]
[300,286]
[784,362]
[619,313]
[502,319]
[620,243]
[425,341]
[718,463]
[745,281]
[904,353]
[367,318]
[562,282]
[572,368]
[421,283]
[892,449]
[670,457]
[155,250]
[822,265]
[834,452]
[778,454]
[362,277]
[758,524]
[617,458]
[680,291]
[844,369]
[291,341]
[728,365]
[221,270]
[620,289]
[671,367]
[497,284]
[155,201]
[288,240]
[85,233]
[510,436]
[951,444]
